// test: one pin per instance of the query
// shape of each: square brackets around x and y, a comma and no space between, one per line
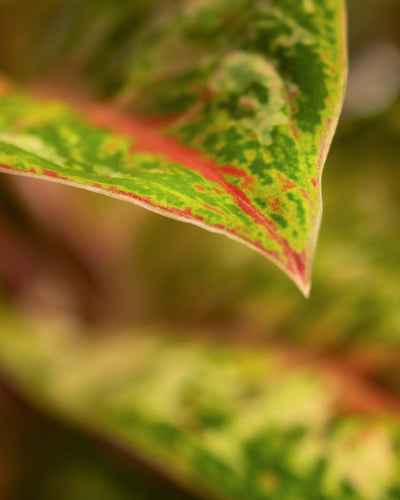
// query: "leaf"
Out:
[232,108]
[241,423]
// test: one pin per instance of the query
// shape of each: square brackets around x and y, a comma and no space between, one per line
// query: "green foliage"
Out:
[243,97]
[221,376]
[237,423]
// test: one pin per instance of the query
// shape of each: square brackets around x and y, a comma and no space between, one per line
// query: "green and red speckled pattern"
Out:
[229,111]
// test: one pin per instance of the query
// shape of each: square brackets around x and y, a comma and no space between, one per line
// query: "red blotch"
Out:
[275,204]
[304,195]
[286,184]
[213,209]
[294,131]
[55,175]
[238,173]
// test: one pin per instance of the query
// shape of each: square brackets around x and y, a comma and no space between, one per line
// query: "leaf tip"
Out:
[303,283]
[305,289]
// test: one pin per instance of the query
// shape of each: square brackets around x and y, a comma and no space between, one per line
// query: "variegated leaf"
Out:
[229,111]
[232,422]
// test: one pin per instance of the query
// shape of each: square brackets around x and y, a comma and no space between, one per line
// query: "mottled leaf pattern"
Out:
[237,423]
[232,107]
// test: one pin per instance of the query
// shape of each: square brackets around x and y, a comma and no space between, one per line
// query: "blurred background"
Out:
[82,275]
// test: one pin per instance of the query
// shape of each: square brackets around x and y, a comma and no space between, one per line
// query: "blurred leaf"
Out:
[68,464]
[235,105]
[235,422]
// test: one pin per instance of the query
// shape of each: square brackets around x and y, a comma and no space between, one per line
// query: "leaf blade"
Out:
[245,155]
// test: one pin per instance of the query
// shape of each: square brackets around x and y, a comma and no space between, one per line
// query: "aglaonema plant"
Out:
[218,113]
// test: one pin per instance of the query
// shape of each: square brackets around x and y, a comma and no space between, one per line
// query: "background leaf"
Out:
[233,422]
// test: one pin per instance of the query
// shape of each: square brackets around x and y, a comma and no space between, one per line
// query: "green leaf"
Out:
[238,423]
[230,108]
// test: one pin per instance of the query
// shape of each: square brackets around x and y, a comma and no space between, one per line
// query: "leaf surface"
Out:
[238,423]
[229,111]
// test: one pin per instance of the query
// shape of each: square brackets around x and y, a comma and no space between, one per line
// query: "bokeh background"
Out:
[90,285]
